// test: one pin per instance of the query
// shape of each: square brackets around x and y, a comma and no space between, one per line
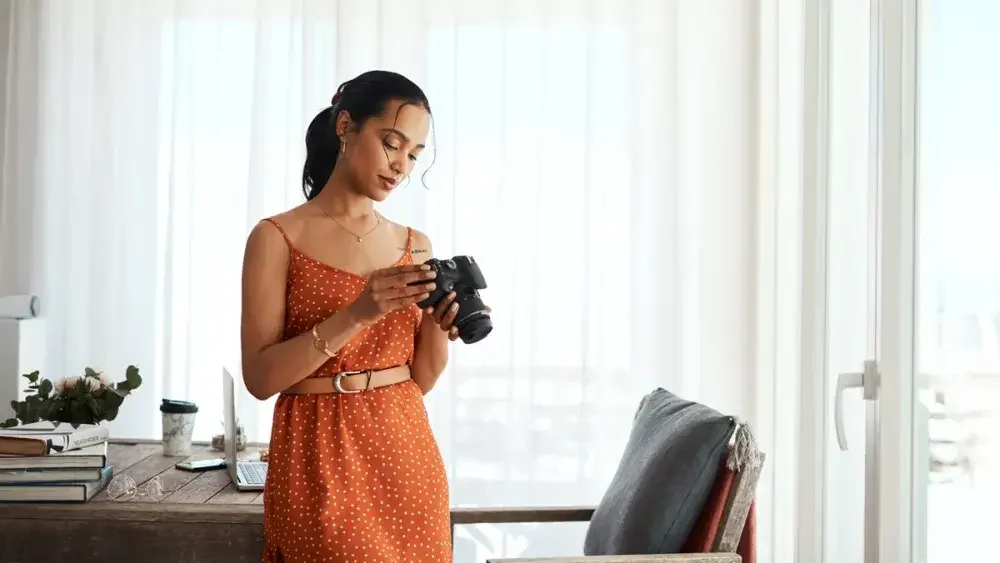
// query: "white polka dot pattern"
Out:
[354,478]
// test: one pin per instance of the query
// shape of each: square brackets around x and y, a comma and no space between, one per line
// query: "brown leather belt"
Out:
[350,381]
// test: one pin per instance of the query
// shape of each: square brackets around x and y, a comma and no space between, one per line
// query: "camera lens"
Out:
[475,329]
[474,323]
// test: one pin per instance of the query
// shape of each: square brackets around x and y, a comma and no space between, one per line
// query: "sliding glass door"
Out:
[910,212]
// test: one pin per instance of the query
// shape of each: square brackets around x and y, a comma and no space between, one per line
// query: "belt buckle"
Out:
[338,381]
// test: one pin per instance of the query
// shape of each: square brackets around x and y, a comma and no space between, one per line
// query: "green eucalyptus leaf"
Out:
[51,410]
[132,377]
[92,405]
[77,412]
[30,416]
[114,399]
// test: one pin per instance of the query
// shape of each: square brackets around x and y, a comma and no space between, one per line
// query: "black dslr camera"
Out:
[462,275]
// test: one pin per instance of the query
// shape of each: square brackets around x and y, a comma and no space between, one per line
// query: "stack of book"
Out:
[40,462]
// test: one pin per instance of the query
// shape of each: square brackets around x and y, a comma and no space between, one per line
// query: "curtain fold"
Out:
[600,159]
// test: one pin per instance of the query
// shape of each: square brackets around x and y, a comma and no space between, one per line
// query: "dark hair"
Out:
[362,97]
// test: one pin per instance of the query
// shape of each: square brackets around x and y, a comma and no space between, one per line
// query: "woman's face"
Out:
[381,155]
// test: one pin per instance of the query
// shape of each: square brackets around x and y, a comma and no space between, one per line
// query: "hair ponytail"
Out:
[322,148]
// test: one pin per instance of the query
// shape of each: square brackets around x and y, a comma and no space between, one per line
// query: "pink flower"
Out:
[93,383]
[65,384]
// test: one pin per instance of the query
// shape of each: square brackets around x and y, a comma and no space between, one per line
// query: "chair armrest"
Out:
[554,514]
[678,558]
[521,515]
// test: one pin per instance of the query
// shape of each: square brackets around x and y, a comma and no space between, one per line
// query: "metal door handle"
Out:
[867,381]
[844,381]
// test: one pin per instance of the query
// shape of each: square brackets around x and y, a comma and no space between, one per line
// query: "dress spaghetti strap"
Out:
[281,230]
[409,240]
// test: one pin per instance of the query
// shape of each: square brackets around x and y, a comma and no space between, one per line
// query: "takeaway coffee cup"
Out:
[178,425]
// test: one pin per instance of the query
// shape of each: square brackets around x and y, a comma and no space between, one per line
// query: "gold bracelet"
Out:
[319,343]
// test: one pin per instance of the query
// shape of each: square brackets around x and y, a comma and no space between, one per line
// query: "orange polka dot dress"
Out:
[353,478]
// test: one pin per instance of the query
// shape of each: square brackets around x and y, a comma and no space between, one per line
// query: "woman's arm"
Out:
[271,365]
[430,353]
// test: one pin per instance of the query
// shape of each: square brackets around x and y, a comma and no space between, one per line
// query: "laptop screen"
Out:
[229,400]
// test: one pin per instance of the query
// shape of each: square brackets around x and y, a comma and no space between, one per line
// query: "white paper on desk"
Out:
[19,307]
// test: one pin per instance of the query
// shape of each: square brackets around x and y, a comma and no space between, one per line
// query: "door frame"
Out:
[815,410]
[896,442]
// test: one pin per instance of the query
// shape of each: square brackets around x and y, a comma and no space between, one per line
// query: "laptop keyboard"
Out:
[252,472]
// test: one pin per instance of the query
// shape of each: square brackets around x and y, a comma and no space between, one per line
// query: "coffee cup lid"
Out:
[171,406]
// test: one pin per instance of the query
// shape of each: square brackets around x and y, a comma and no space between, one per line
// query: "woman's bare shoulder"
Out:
[291,223]
[420,246]
[272,238]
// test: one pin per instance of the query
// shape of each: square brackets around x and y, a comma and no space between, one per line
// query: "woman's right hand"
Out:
[388,289]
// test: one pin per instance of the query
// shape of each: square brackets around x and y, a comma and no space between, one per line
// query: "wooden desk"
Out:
[201,518]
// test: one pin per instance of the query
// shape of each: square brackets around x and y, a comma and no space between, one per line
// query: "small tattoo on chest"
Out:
[415,250]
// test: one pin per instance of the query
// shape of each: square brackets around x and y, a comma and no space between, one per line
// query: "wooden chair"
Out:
[720,528]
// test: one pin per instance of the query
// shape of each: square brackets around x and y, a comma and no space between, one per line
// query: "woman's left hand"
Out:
[444,315]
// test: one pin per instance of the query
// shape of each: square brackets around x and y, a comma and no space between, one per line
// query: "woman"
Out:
[330,322]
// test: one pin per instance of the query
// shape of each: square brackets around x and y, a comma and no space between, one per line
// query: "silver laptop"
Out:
[247,475]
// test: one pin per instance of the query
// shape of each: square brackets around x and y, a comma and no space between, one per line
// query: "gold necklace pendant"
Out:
[378,223]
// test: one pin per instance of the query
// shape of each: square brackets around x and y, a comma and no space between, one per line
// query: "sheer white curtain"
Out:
[600,158]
